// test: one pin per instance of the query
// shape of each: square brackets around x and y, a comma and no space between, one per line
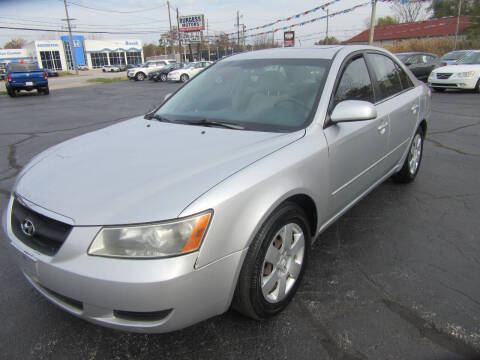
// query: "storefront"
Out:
[49,54]
[113,52]
[14,56]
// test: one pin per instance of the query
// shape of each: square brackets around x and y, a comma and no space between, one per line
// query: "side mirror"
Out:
[408,63]
[167,96]
[353,110]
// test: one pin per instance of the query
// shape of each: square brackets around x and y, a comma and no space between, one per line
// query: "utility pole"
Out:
[179,37]
[326,34]
[372,22]
[171,31]
[458,23]
[208,42]
[72,47]
[238,27]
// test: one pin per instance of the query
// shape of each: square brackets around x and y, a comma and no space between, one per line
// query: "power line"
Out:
[116,11]
[79,31]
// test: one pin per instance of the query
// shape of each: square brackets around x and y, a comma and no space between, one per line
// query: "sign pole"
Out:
[171,32]
[372,22]
[179,37]
[72,46]
[458,23]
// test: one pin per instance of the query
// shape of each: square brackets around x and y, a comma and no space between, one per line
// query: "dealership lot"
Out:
[395,278]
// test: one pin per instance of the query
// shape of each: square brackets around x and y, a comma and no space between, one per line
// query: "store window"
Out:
[68,54]
[99,60]
[51,60]
[117,58]
[134,57]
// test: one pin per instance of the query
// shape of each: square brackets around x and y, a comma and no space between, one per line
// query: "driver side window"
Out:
[355,83]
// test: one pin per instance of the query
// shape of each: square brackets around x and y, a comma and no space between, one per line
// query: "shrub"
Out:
[436,46]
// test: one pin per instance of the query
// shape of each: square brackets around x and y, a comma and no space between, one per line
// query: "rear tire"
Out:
[274,265]
[163,77]
[477,87]
[46,91]
[413,160]
[11,92]
[140,76]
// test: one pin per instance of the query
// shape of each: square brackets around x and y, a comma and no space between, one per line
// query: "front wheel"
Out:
[140,76]
[184,78]
[414,157]
[163,77]
[274,264]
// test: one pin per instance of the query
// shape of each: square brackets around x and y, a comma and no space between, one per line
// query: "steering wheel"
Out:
[294,101]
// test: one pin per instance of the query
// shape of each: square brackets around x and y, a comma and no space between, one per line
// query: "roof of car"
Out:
[415,53]
[317,52]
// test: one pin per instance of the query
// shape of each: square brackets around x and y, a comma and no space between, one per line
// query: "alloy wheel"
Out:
[415,154]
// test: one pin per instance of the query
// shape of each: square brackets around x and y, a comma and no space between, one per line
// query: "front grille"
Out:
[48,234]
[443,76]
[444,85]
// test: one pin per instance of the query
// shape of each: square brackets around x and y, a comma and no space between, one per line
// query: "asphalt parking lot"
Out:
[398,277]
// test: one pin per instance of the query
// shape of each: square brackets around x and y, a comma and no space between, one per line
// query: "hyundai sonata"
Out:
[213,199]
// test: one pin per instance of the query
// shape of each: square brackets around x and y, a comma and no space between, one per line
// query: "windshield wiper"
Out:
[215,123]
[157,117]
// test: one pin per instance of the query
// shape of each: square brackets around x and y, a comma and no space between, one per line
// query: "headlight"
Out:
[153,240]
[466,74]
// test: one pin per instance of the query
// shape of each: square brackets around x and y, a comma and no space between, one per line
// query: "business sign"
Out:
[192,37]
[289,38]
[191,23]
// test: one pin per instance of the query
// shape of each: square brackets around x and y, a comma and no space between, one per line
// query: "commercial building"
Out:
[431,29]
[56,54]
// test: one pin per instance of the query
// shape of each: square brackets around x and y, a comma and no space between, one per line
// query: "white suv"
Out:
[141,73]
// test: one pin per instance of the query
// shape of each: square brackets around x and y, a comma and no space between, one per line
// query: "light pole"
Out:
[458,23]
[72,47]
[372,22]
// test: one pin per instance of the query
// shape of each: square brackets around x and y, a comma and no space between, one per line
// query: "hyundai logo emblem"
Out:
[27,227]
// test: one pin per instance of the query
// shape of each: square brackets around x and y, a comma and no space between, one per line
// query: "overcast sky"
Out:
[220,14]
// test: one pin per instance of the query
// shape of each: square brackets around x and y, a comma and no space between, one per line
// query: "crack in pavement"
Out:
[327,340]
[454,129]
[74,128]
[426,328]
[461,293]
[439,144]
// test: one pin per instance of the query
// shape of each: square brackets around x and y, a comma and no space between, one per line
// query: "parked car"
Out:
[132,66]
[26,77]
[51,73]
[162,73]
[420,64]
[464,74]
[82,67]
[453,56]
[111,68]
[142,72]
[188,71]
[234,176]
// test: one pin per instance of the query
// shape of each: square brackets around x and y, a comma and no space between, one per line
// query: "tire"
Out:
[46,91]
[140,76]
[184,78]
[11,92]
[477,87]
[413,160]
[438,89]
[258,293]
[163,77]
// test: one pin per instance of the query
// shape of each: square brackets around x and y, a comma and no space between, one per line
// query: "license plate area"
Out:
[29,83]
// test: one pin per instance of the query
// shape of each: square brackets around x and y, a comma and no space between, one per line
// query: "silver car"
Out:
[213,200]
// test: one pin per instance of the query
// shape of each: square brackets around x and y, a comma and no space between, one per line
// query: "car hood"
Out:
[458,68]
[139,170]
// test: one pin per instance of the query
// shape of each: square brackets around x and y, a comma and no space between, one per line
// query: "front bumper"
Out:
[173,77]
[452,83]
[156,295]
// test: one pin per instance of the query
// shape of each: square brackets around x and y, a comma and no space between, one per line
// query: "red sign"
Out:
[289,38]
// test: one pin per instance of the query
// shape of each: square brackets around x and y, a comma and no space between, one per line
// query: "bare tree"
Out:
[16,43]
[410,11]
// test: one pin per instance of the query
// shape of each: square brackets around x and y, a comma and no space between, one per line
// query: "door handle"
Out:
[381,128]
[414,108]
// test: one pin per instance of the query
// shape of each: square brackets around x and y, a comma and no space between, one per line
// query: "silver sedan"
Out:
[214,199]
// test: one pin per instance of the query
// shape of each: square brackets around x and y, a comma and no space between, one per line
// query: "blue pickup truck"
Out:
[26,77]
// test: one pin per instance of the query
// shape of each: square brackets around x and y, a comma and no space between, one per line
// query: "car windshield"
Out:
[472,58]
[22,67]
[277,95]
[454,55]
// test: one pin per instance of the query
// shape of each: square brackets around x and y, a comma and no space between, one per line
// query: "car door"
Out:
[397,98]
[356,149]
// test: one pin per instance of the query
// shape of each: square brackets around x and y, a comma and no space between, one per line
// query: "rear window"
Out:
[455,55]
[22,67]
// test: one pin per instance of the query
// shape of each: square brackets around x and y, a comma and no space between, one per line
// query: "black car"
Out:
[51,73]
[420,64]
[161,74]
